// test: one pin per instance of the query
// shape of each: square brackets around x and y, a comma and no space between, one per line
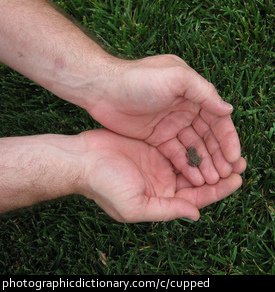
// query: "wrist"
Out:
[37,168]
[86,81]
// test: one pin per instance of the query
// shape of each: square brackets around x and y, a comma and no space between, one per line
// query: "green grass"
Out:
[231,43]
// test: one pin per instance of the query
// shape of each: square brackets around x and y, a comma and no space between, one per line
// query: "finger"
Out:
[200,91]
[240,166]
[166,209]
[172,121]
[182,182]
[188,137]
[176,153]
[223,167]
[208,194]
[226,135]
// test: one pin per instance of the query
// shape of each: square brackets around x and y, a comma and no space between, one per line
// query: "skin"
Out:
[159,103]
[131,180]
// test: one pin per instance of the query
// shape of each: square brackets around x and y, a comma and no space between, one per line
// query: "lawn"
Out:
[231,43]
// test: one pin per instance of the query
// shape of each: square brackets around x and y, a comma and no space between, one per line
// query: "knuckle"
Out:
[211,88]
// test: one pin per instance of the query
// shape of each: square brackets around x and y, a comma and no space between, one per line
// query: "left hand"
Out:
[133,182]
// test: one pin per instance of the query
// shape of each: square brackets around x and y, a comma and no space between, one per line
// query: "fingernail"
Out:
[227,105]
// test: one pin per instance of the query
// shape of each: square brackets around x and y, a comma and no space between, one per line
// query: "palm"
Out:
[132,181]
[165,107]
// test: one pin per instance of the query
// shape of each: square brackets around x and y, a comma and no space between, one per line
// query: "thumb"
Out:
[166,209]
[204,93]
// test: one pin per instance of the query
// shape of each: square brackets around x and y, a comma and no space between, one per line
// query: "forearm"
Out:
[42,44]
[38,168]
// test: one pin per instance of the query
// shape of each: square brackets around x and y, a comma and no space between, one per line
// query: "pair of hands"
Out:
[157,108]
